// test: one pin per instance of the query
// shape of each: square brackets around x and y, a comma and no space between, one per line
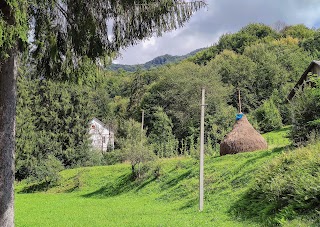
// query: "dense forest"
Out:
[56,103]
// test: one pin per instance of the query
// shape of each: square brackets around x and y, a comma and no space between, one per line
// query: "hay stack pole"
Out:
[239,97]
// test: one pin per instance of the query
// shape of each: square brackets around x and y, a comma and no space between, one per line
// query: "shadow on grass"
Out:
[176,180]
[37,187]
[255,207]
[125,183]
[189,203]
[76,183]
[145,184]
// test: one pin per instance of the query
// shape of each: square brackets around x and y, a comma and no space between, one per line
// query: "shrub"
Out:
[136,148]
[46,171]
[268,117]
[112,157]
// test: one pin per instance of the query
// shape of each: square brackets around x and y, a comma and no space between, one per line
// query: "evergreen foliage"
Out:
[65,31]
[165,144]
[52,119]
[13,25]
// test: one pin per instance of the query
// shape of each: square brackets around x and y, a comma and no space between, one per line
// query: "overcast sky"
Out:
[222,16]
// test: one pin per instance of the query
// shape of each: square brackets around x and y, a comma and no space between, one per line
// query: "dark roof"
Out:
[302,79]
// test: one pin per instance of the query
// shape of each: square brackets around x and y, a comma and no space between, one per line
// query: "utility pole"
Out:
[201,190]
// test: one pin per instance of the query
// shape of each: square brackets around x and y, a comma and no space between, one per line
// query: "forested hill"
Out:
[156,62]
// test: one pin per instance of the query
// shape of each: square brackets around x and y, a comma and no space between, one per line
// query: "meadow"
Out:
[166,195]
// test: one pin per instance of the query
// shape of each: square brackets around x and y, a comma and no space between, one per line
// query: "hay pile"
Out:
[242,138]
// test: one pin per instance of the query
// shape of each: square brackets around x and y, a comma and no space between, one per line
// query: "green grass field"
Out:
[107,196]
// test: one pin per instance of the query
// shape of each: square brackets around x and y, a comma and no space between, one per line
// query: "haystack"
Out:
[242,138]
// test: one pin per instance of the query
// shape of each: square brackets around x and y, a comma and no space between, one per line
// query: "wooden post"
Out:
[201,189]
[142,122]
[239,98]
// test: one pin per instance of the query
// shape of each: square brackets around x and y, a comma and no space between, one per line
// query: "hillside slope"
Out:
[107,195]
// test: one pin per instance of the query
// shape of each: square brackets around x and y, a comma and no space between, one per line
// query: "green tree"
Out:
[178,93]
[312,44]
[165,144]
[135,147]
[52,119]
[247,36]
[305,112]
[239,72]
[299,31]
[26,135]
[268,116]
[63,32]
[46,171]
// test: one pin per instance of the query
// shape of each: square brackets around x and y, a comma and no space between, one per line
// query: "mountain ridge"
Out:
[156,62]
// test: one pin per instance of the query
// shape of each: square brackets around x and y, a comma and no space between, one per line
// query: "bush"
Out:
[136,148]
[46,171]
[112,157]
[93,158]
[268,116]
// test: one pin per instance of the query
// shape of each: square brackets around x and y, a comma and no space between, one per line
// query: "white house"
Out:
[101,136]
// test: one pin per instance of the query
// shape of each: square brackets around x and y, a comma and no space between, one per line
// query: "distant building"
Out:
[313,68]
[101,136]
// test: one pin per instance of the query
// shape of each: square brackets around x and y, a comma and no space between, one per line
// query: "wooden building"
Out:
[313,68]
[102,138]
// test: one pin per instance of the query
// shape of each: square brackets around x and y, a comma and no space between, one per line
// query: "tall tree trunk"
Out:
[8,74]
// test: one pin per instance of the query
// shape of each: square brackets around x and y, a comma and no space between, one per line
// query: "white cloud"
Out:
[223,16]
[149,43]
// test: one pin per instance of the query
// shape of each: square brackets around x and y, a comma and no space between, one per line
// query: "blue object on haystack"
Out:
[239,116]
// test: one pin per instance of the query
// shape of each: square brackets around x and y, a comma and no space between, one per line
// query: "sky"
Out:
[220,17]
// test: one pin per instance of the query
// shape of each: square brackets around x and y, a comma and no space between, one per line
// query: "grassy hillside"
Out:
[107,196]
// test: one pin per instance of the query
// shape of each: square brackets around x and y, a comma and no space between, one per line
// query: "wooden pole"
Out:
[201,189]
[239,98]
[142,121]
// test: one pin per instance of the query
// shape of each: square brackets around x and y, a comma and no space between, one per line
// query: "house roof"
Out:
[97,120]
[302,79]
[101,123]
